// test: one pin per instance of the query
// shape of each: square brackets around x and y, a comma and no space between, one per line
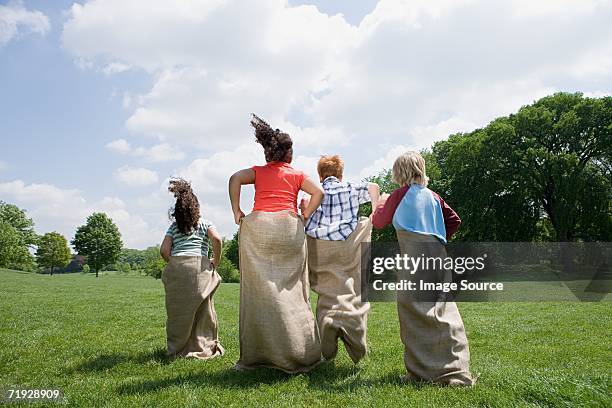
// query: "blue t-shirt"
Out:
[420,212]
[194,244]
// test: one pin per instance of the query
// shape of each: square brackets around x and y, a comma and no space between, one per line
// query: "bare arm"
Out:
[166,248]
[217,245]
[241,177]
[316,196]
[374,191]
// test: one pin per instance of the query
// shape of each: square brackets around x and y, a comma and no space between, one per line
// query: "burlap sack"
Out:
[435,345]
[191,327]
[277,328]
[335,275]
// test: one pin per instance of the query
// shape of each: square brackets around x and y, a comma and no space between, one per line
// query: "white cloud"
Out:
[412,72]
[115,68]
[598,94]
[206,87]
[136,176]
[383,163]
[15,20]
[440,131]
[555,8]
[120,146]
[3,165]
[64,210]
[158,153]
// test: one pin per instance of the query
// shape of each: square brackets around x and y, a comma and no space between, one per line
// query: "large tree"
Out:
[540,174]
[18,219]
[99,240]
[13,253]
[53,251]
[17,236]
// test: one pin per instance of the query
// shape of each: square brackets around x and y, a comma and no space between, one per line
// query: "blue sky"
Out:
[101,101]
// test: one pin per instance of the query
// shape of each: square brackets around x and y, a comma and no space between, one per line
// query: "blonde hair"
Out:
[409,168]
[330,166]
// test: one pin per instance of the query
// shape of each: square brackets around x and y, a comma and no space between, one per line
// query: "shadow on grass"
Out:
[108,361]
[326,377]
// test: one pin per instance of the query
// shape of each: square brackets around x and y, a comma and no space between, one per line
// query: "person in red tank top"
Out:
[277,327]
[277,184]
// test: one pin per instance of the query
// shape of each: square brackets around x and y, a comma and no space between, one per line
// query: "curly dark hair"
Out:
[277,145]
[186,210]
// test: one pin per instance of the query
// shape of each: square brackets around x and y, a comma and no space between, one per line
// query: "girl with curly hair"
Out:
[277,328]
[190,278]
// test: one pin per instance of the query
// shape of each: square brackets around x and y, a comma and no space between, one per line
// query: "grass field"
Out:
[102,342]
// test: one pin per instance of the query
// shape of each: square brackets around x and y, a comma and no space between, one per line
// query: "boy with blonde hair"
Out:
[435,344]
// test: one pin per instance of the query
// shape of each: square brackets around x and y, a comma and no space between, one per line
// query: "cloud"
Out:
[3,165]
[136,176]
[383,163]
[119,146]
[555,8]
[16,20]
[411,73]
[216,67]
[115,68]
[162,152]
[63,210]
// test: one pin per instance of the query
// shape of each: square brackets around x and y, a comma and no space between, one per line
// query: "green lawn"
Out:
[102,342]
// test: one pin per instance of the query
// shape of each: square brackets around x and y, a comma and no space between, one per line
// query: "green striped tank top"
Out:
[194,244]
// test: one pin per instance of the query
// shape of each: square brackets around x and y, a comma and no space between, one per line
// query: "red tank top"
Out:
[276,187]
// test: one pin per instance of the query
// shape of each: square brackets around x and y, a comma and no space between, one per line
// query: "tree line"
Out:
[97,243]
[541,174]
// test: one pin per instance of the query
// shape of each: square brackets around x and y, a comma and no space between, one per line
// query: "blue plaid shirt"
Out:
[337,216]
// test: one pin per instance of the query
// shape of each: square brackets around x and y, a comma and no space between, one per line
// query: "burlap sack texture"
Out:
[277,328]
[334,269]
[435,345]
[191,326]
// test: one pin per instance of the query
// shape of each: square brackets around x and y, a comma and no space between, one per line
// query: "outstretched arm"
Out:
[374,192]
[316,196]
[245,176]
[382,215]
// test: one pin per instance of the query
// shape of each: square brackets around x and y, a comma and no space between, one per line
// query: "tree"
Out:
[17,218]
[13,253]
[53,251]
[99,240]
[231,250]
[154,264]
[386,184]
[16,237]
[134,257]
[123,267]
[563,147]
[540,174]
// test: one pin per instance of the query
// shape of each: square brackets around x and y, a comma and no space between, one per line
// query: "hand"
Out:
[213,263]
[304,204]
[238,215]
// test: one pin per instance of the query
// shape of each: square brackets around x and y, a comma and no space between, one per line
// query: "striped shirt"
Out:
[337,216]
[194,244]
